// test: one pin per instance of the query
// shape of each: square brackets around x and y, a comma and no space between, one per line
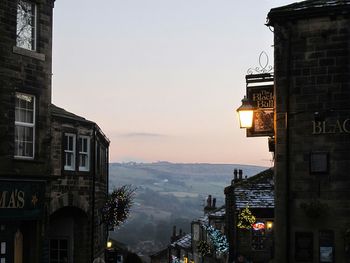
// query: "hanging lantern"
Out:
[245,114]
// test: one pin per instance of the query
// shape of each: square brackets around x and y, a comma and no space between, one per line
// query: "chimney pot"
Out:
[240,174]
[209,201]
[235,177]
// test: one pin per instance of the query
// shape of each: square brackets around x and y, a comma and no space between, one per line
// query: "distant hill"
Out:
[169,194]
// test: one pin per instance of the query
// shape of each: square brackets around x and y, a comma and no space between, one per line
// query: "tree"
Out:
[117,207]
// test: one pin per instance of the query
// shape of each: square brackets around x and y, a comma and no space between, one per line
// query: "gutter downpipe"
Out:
[93,194]
[289,65]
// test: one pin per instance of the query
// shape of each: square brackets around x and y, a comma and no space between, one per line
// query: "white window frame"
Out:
[86,153]
[27,125]
[28,43]
[68,151]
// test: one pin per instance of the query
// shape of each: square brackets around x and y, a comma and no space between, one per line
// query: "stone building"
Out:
[79,183]
[253,241]
[53,164]
[312,131]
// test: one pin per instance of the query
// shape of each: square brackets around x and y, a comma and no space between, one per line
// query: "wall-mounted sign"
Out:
[21,199]
[326,241]
[258,226]
[262,98]
[327,127]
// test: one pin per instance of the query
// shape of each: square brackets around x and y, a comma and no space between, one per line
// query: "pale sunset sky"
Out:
[162,78]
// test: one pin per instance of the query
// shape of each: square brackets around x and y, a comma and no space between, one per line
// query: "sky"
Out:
[162,78]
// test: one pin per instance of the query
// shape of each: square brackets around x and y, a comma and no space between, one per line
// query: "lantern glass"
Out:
[245,118]
[245,114]
[109,244]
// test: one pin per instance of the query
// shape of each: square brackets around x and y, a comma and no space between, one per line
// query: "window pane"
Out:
[25,24]
[70,143]
[83,160]
[54,255]
[54,244]
[24,141]
[68,159]
[85,140]
[63,244]
[24,108]
[80,144]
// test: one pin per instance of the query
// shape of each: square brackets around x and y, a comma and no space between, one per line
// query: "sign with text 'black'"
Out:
[260,92]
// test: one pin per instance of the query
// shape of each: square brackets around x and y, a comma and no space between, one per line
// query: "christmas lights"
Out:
[203,248]
[118,204]
[245,219]
[218,240]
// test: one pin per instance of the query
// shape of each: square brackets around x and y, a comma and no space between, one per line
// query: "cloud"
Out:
[142,135]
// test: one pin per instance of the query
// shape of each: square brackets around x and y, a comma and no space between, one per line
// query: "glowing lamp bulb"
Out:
[245,114]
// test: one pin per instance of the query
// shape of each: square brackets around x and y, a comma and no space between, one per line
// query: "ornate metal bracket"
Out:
[263,63]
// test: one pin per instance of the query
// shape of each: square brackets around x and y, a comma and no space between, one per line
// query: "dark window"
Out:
[59,251]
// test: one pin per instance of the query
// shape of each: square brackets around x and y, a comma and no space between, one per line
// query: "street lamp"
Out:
[109,244]
[245,113]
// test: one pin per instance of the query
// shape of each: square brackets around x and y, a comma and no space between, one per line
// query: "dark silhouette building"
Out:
[312,131]
[255,193]
[53,164]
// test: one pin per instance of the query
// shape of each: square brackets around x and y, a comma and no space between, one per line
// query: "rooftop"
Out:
[183,242]
[309,7]
[256,191]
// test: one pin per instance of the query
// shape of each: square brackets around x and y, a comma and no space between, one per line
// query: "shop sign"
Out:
[262,98]
[21,199]
[326,127]
[258,226]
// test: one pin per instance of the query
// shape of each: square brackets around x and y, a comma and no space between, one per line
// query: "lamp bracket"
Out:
[263,67]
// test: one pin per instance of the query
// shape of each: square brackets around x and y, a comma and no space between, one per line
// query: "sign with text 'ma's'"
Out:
[21,199]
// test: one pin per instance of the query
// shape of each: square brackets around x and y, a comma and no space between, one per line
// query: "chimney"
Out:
[240,174]
[235,173]
[209,201]
[173,237]
[180,232]
[214,202]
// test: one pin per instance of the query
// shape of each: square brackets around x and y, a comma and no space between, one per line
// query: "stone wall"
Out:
[29,72]
[312,161]
[75,188]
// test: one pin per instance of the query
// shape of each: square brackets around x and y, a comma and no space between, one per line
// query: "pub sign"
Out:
[262,98]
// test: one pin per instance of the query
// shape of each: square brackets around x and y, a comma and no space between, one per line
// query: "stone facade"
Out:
[51,194]
[312,113]
[71,194]
[257,194]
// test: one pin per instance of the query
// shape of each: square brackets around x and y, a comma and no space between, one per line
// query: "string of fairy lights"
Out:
[217,238]
[118,204]
[218,241]
[245,219]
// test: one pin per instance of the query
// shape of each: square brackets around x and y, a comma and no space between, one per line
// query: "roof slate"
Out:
[311,7]
[66,114]
[256,191]
[183,242]
[219,212]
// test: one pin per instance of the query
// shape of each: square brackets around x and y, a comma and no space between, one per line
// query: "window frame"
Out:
[27,125]
[72,167]
[32,46]
[86,153]
[59,249]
